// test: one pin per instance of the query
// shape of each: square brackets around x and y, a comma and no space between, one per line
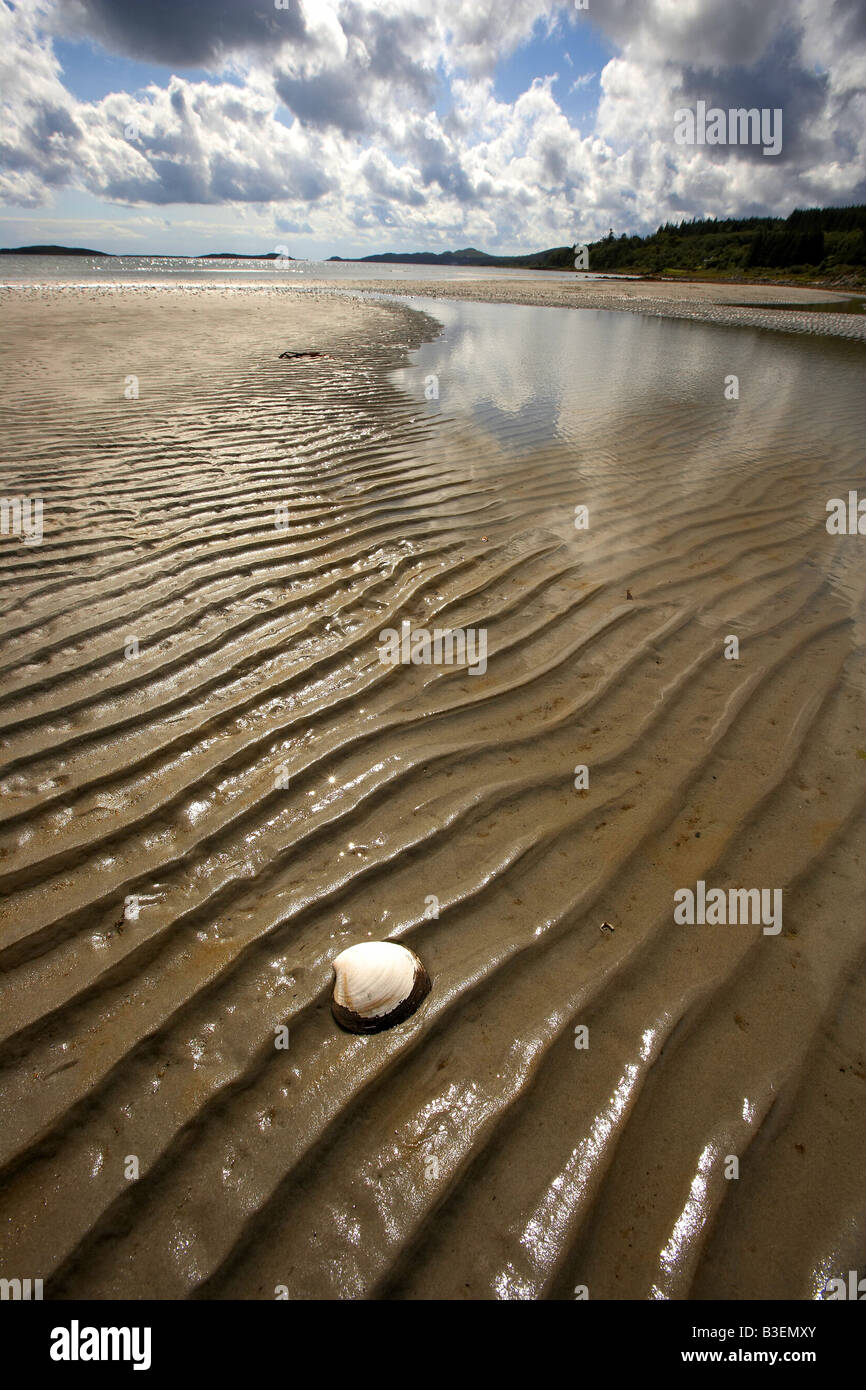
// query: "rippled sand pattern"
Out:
[271,792]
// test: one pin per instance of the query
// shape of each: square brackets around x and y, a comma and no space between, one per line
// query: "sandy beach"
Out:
[212,784]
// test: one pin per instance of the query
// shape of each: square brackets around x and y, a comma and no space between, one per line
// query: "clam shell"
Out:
[377,984]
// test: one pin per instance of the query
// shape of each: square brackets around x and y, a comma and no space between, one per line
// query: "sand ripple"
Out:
[264,791]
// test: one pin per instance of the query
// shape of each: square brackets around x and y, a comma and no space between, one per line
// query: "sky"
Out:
[341,127]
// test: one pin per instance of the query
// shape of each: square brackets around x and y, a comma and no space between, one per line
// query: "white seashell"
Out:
[377,984]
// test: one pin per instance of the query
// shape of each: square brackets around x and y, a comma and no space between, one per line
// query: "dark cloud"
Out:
[777,82]
[348,96]
[709,33]
[171,182]
[220,179]
[326,100]
[849,21]
[386,186]
[555,164]
[185,33]
[439,164]
[49,122]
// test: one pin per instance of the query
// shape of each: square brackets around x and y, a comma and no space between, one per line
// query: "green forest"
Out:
[811,243]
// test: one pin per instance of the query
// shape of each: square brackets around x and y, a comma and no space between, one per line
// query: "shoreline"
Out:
[696,304]
[697,301]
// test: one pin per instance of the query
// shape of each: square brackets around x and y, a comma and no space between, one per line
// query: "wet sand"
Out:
[190,834]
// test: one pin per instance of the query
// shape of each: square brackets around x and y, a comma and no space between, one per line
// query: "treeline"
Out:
[811,241]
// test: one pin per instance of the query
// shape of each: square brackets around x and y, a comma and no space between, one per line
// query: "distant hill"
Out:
[559,258]
[50,251]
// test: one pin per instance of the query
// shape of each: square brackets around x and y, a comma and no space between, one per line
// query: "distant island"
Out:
[50,251]
[239,256]
[86,251]
[827,245]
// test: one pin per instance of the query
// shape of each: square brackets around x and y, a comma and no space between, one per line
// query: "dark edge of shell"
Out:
[354,1023]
